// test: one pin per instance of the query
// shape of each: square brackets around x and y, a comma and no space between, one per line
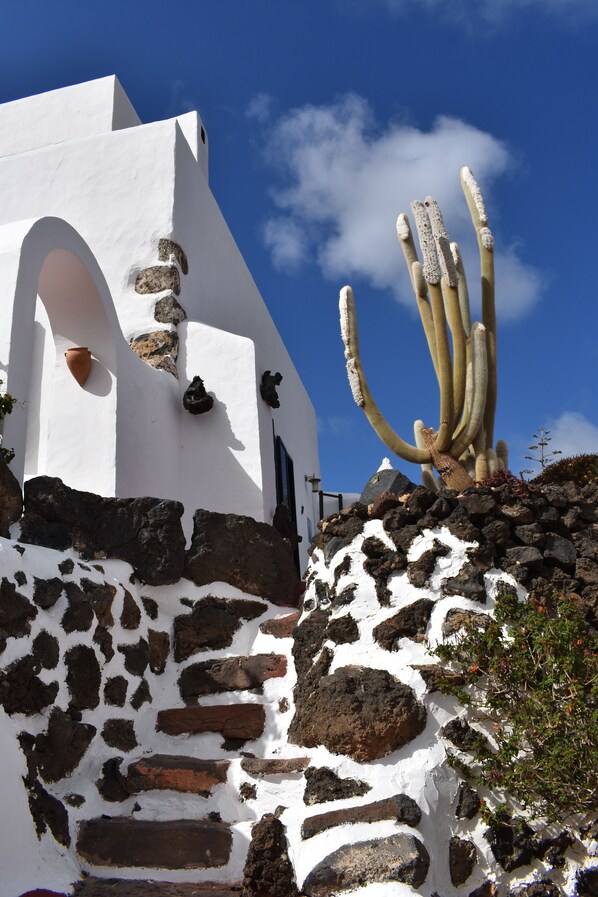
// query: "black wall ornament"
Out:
[268,388]
[196,400]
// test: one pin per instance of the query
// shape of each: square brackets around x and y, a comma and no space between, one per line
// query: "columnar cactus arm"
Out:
[432,274]
[502,453]
[479,383]
[360,390]
[479,218]
[418,283]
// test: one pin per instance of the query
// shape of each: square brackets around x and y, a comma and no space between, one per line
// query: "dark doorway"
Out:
[285,484]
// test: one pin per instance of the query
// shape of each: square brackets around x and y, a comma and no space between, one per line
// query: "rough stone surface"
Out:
[136,657]
[112,785]
[457,619]
[173,773]
[212,624]
[120,734]
[145,532]
[60,749]
[242,721]
[169,310]
[257,766]
[410,622]
[542,888]
[158,650]
[400,858]
[159,349]
[176,844]
[16,611]
[117,887]
[130,617]
[512,848]
[83,677]
[11,500]
[281,627]
[79,615]
[419,571]
[400,808]
[196,399]
[230,674]
[439,678]
[462,860]
[167,249]
[45,650]
[468,802]
[364,713]
[141,696]
[46,592]
[460,733]
[385,481]
[20,689]
[268,870]
[323,785]
[158,278]
[244,553]
[469,583]
[48,812]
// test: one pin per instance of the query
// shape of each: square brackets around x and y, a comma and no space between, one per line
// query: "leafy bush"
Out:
[580,469]
[533,672]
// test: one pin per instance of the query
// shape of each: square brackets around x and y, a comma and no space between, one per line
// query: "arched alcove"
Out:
[71,429]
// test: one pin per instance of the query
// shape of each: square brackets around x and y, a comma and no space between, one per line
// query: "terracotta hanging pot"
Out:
[78,361]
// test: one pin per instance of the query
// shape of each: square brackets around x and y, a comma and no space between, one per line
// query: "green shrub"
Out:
[533,673]
[580,469]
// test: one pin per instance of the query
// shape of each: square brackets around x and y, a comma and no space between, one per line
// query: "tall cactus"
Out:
[462,445]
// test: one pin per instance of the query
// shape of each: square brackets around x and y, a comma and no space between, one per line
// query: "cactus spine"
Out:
[464,362]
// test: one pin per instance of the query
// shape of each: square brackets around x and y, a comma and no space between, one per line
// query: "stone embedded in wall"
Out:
[83,677]
[324,785]
[460,733]
[401,858]
[280,627]
[308,638]
[380,562]
[45,650]
[542,888]
[158,650]
[103,639]
[47,591]
[20,689]
[457,619]
[268,870]
[141,696]
[120,734]
[157,279]
[186,774]
[169,310]
[385,481]
[16,611]
[66,566]
[48,812]
[468,802]
[79,614]
[364,713]
[410,622]
[244,553]
[439,678]
[136,657]
[130,617]
[400,807]
[420,571]
[150,606]
[118,887]
[258,766]
[159,349]
[11,499]
[167,249]
[212,624]
[145,532]
[342,630]
[462,860]
[60,749]
[112,785]
[468,582]
[175,844]
[195,398]
[511,846]
[242,721]
[115,691]
[230,674]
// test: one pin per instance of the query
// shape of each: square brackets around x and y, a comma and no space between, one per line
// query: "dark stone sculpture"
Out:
[196,400]
[268,388]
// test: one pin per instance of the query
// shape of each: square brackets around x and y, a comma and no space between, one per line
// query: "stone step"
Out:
[118,887]
[239,721]
[186,774]
[230,674]
[173,844]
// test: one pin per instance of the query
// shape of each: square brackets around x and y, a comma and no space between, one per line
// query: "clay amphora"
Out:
[78,361]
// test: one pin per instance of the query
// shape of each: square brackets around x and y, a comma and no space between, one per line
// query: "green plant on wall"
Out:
[7,403]
[532,673]
[461,448]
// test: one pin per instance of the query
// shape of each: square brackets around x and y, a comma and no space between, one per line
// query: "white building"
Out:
[95,206]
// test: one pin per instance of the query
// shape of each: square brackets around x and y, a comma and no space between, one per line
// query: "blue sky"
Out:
[325,119]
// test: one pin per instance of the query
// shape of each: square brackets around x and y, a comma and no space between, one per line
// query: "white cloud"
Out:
[343,181]
[260,107]
[573,434]
[492,11]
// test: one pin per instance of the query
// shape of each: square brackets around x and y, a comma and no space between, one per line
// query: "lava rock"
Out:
[136,657]
[83,677]
[145,532]
[20,689]
[142,695]
[115,691]
[268,870]
[364,713]
[11,500]
[130,617]
[462,860]
[420,571]
[457,619]
[59,751]
[45,650]
[230,674]
[212,624]
[46,592]
[169,310]
[112,784]
[195,398]
[460,733]
[158,278]
[120,734]
[244,553]
[399,857]
[79,614]
[559,551]
[468,802]
[410,622]
[342,630]
[48,812]
[16,611]
[468,582]
[439,678]
[512,847]
[385,481]
[158,650]
[400,807]
[280,627]
[322,785]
